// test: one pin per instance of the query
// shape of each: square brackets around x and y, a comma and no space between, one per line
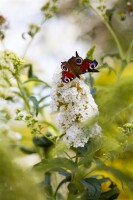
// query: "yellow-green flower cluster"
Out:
[11,62]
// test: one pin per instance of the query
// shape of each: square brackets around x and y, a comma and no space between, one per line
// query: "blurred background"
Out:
[57,41]
[73,27]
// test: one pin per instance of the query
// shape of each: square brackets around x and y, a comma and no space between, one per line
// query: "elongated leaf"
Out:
[106,66]
[91,52]
[43,98]
[112,193]
[93,186]
[93,91]
[110,55]
[63,172]
[54,163]
[42,141]
[30,72]
[26,149]
[45,105]
[46,186]
[35,103]
[129,52]
[51,125]
[36,80]
[88,151]
[61,183]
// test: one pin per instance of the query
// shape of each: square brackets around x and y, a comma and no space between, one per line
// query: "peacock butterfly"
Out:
[76,66]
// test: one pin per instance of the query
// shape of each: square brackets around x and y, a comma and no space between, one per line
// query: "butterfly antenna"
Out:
[77,54]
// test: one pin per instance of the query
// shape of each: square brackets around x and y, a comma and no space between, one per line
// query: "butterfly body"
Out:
[76,66]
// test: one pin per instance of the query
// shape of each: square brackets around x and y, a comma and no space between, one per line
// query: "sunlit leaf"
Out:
[90,53]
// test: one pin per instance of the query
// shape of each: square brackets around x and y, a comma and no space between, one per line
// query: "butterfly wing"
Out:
[67,76]
[88,66]
[67,72]
[76,66]
[75,63]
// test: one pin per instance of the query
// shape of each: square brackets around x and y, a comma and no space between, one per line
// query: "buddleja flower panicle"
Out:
[76,105]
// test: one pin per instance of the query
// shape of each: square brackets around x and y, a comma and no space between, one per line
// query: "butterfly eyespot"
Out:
[66,80]
[64,68]
[92,66]
[79,61]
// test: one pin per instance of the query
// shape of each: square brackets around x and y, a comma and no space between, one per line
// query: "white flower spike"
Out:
[76,105]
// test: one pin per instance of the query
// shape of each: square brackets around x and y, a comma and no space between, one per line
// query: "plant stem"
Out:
[27,47]
[31,40]
[111,32]
[76,159]
[25,98]
[3,45]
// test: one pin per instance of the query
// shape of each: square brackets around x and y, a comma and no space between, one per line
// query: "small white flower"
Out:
[76,105]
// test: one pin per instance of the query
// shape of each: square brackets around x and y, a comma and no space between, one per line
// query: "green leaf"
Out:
[55,163]
[54,8]
[110,55]
[45,105]
[51,125]
[36,80]
[112,193]
[26,150]
[129,52]
[122,176]
[90,53]
[46,186]
[93,90]
[63,172]
[33,29]
[30,72]
[68,179]
[105,65]
[42,141]
[35,103]
[45,7]
[89,80]
[16,183]
[43,98]
[123,65]
[2,36]
[115,103]
[94,188]
[73,188]
[109,14]
[88,151]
